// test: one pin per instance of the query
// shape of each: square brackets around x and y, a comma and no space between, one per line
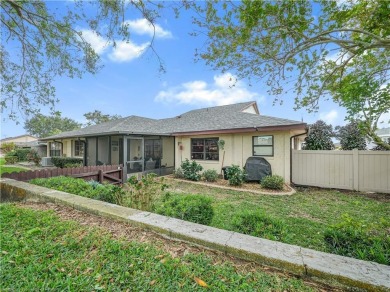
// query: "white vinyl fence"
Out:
[352,170]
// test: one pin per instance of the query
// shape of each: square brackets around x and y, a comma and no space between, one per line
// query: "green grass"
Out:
[39,252]
[306,214]
[8,168]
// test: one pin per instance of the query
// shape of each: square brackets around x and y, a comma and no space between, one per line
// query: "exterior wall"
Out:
[19,139]
[238,147]
[67,147]
[352,170]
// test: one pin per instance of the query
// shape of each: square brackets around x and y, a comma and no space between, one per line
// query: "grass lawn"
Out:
[8,168]
[40,252]
[306,214]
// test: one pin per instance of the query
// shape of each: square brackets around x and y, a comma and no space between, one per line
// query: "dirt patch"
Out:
[124,231]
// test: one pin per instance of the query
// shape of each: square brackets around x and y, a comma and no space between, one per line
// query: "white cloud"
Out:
[143,27]
[329,117]
[98,43]
[127,51]
[224,90]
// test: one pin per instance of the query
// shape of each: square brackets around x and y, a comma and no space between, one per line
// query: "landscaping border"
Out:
[297,260]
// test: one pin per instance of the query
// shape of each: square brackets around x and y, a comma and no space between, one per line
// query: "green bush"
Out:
[10,158]
[64,162]
[191,170]
[34,157]
[193,208]
[8,147]
[144,193]
[274,182]
[104,192]
[235,175]
[22,153]
[358,239]
[258,224]
[210,175]
[178,173]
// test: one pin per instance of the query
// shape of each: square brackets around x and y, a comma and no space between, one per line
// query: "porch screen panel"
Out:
[91,151]
[103,151]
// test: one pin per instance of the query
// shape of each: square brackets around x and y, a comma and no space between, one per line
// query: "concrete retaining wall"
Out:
[291,258]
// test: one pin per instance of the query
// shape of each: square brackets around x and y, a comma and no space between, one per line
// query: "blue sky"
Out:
[130,83]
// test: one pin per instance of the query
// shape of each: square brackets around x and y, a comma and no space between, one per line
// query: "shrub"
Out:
[259,224]
[8,147]
[64,162]
[210,175]
[274,182]
[11,158]
[143,193]
[33,156]
[104,192]
[193,208]
[235,175]
[358,239]
[22,153]
[178,173]
[191,170]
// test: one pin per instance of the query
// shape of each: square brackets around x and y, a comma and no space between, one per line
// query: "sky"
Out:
[130,83]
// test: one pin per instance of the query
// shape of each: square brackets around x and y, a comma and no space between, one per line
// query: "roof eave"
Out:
[301,126]
[104,134]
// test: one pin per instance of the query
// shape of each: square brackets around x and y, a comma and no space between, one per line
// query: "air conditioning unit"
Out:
[46,161]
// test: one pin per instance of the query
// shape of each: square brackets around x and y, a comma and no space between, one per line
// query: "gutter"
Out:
[291,139]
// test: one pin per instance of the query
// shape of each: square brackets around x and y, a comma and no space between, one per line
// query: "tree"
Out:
[44,126]
[312,48]
[351,136]
[41,42]
[96,117]
[319,137]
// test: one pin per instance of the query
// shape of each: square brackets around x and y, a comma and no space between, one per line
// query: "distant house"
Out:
[160,145]
[20,141]
[384,134]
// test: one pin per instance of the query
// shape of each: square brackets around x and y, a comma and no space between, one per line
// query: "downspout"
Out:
[291,139]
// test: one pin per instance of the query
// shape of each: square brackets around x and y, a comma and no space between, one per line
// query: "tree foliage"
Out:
[319,137]
[40,42]
[351,136]
[44,126]
[97,117]
[312,48]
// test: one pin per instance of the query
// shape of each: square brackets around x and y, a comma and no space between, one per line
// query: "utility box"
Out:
[256,168]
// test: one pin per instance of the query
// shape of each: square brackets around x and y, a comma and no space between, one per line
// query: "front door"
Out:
[134,155]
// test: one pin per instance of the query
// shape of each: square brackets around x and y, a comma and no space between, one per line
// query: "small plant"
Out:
[358,239]
[22,153]
[10,158]
[191,170]
[193,208]
[210,175]
[178,173]
[259,224]
[34,157]
[274,182]
[235,175]
[143,193]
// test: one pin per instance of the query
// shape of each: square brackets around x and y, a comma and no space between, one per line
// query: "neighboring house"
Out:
[20,141]
[151,145]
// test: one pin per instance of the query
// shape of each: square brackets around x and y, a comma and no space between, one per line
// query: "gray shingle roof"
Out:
[226,117]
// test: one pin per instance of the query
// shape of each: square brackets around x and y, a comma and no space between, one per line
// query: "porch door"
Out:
[134,154]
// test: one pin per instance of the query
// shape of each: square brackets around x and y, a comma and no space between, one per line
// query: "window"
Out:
[55,149]
[78,148]
[153,149]
[204,149]
[263,145]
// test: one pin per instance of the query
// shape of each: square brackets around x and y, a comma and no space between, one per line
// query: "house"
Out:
[21,141]
[160,145]
[384,134]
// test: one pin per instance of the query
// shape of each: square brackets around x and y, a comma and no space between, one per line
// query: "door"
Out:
[134,154]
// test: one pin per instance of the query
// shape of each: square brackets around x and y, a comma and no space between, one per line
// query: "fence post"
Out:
[355,163]
[100,176]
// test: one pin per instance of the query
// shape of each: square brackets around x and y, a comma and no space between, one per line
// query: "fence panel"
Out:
[109,173]
[351,170]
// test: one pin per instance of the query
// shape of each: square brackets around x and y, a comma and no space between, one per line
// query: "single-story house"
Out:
[160,145]
[20,141]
